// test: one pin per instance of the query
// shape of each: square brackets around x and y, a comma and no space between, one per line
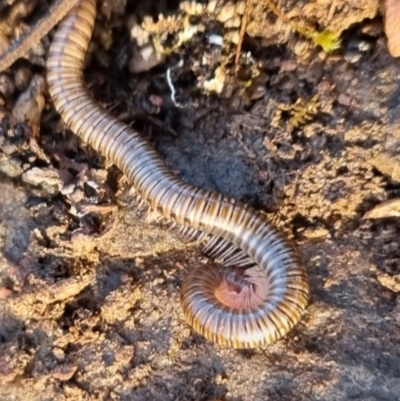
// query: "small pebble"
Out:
[59,353]
[6,85]
[64,372]
[389,208]
[392,23]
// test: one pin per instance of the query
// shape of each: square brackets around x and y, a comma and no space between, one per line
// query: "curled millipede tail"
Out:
[265,294]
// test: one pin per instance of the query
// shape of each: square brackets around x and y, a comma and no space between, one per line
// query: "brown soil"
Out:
[89,297]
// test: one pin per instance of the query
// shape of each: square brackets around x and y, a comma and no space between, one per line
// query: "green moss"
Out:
[328,40]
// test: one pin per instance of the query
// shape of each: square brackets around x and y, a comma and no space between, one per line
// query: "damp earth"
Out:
[89,290]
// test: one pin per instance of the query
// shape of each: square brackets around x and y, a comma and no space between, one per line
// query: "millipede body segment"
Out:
[269,280]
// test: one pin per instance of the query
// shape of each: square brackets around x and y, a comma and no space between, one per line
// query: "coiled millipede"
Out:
[254,303]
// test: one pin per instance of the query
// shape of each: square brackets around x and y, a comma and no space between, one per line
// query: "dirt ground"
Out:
[89,291]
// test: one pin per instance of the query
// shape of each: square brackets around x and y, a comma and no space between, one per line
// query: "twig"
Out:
[242,32]
[305,31]
[56,13]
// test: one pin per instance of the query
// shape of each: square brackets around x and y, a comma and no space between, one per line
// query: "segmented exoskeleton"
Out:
[272,293]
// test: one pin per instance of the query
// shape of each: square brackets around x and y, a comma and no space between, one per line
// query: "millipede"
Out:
[257,289]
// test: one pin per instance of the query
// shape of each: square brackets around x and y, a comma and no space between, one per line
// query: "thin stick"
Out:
[56,13]
[241,35]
